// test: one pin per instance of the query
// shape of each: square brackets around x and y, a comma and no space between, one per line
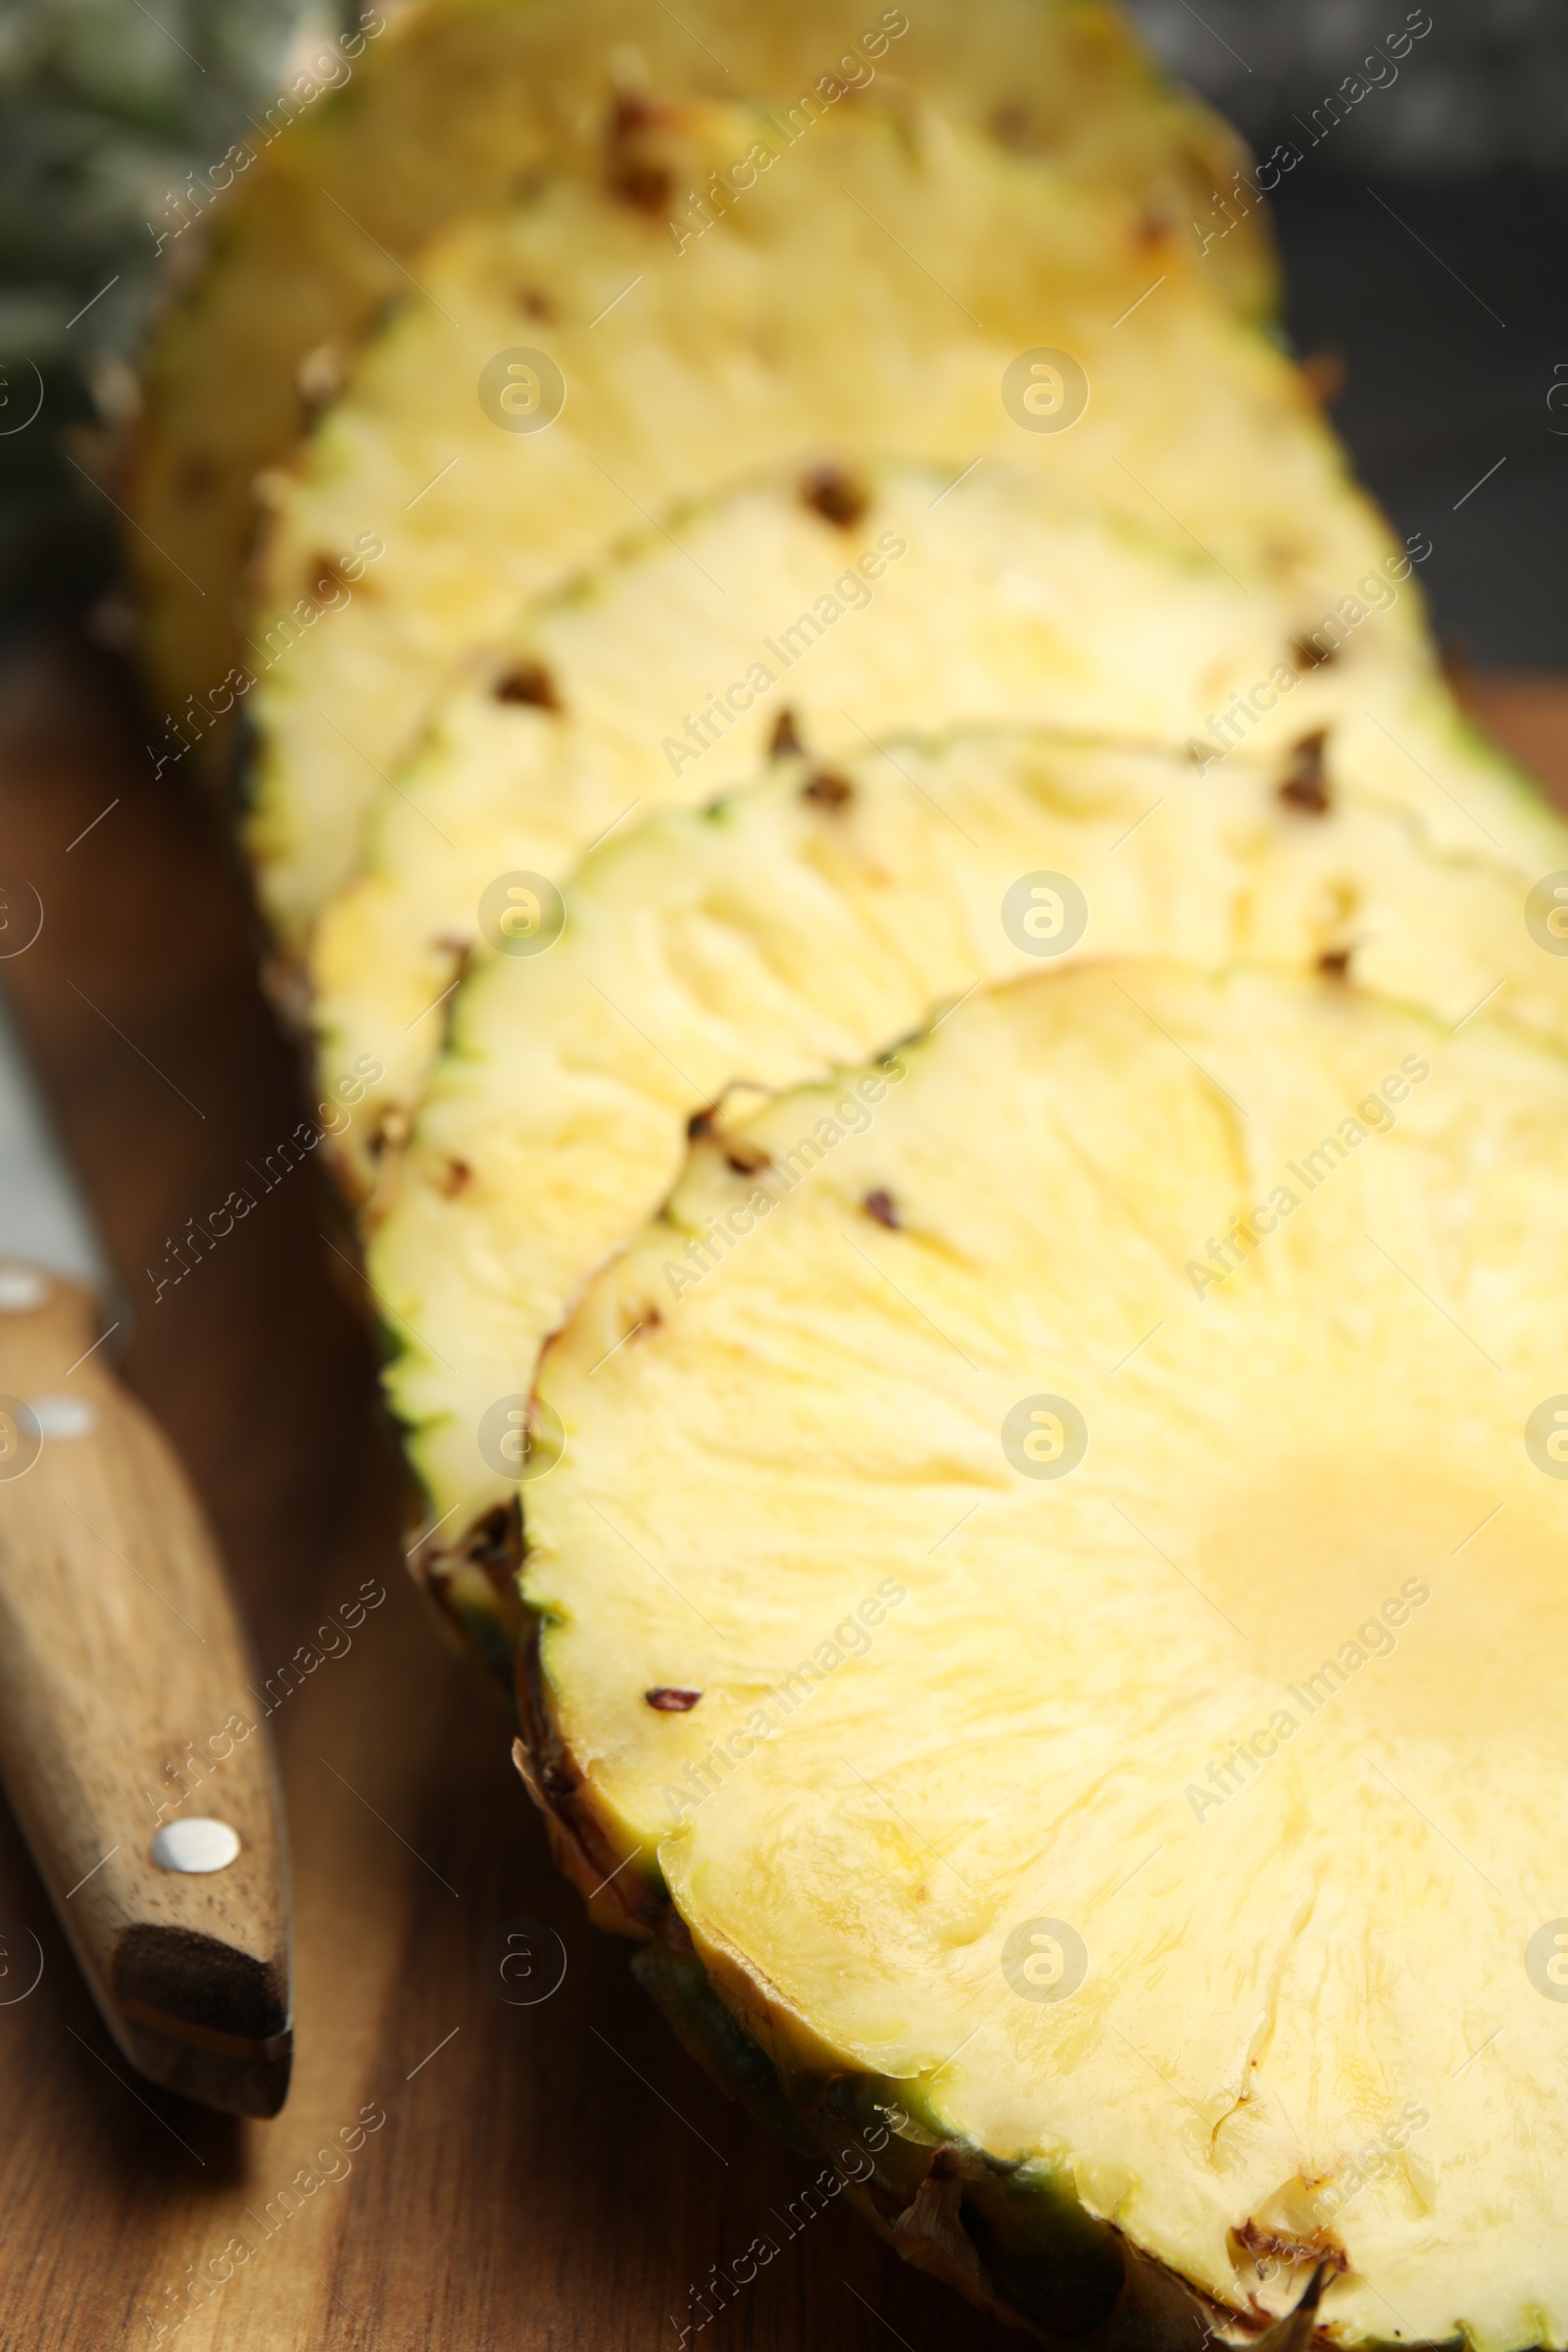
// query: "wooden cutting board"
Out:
[452,2170]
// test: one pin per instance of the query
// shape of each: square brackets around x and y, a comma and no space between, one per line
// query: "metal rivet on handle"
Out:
[195,1846]
[21,1290]
[63,1416]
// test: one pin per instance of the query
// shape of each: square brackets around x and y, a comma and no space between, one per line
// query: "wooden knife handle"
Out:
[127,1715]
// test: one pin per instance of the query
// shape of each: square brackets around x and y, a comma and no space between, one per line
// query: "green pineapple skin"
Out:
[472,1587]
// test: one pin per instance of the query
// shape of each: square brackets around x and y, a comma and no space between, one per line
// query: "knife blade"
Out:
[132,1746]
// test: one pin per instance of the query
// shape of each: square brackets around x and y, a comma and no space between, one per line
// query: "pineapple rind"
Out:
[711,2034]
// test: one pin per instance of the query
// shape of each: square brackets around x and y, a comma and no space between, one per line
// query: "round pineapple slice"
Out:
[826,610]
[738,289]
[1061,1621]
[443,111]
[812,918]
[822,610]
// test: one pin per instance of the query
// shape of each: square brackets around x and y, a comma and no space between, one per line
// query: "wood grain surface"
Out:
[452,2171]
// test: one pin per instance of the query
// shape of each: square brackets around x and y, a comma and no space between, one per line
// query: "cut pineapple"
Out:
[818,608]
[1061,1621]
[598,352]
[815,918]
[448,108]
[663,678]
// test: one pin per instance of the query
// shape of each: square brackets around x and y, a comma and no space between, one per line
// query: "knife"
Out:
[132,1746]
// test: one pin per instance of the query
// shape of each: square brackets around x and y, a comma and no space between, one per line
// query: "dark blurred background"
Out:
[106,106]
[1424,223]
[1425,236]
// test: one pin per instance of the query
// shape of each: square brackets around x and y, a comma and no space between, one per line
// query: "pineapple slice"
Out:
[575,364]
[825,609]
[814,917]
[1061,1621]
[448,107]
[830,608]
[912,603]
